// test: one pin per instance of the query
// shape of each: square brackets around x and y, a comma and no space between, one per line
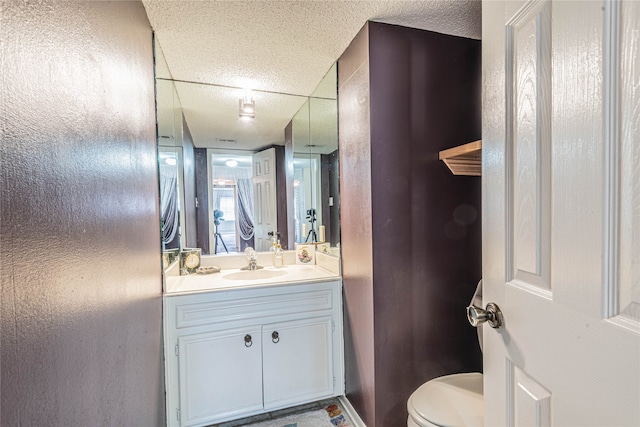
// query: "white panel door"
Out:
[297,361]
[561,212]
[265,203]
[220,375]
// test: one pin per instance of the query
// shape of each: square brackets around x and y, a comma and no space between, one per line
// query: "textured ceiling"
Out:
[277,46]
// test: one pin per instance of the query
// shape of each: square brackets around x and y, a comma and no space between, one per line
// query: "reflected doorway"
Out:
[306,171]
[231,207]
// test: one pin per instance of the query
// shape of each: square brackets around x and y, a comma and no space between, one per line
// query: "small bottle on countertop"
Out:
[274,243]
[278,256]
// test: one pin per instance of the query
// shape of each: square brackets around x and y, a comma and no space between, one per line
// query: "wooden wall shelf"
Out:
[464,159]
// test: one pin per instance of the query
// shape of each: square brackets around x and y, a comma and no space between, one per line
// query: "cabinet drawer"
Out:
[198,310]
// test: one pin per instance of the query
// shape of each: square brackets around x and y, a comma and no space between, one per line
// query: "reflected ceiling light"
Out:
[247,105]
[170,161]
[222,182]
[231,163]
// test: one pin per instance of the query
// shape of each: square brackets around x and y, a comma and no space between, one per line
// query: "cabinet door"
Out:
[297,361]
[220,375]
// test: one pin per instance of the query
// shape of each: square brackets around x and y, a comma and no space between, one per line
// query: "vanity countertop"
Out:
[236,279]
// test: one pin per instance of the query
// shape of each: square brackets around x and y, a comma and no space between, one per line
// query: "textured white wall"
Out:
[281,46]
[285,46]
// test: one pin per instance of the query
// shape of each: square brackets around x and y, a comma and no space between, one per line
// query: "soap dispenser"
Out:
[278,256]
[274,242]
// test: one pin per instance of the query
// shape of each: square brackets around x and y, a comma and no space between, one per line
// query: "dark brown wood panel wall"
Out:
[325,171]
[281,194]
[425,97]
[289,243]
[355,218]
[189,175]
[424,222]
[330,178]
[333,235]
[202,193]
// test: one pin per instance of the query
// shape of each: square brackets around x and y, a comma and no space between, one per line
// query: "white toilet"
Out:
[452,400]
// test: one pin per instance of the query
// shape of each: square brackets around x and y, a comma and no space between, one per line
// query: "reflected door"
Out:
[264,191]
[561,206]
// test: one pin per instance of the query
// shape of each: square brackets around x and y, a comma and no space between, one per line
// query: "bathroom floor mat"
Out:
[327,413]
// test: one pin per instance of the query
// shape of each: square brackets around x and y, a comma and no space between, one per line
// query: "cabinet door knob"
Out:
[247,341]
[275,337]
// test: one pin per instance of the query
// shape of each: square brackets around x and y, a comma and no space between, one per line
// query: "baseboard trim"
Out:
[351,412]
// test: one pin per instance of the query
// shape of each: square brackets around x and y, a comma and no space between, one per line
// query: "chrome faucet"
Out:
[252,257]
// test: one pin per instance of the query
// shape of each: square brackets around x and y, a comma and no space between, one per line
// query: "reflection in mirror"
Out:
[308,217]
[172,196]
[323,113]
[231,201]
[170,164]
[316,166]
[236,179]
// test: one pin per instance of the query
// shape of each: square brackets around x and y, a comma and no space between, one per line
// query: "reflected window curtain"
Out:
[245,207]
[169,205]
[217,195]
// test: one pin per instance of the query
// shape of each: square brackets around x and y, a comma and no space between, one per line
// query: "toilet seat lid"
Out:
[452,401]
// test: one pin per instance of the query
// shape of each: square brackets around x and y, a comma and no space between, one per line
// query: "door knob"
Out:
[491,314]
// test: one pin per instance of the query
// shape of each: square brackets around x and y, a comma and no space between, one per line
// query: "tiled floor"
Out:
[278,414]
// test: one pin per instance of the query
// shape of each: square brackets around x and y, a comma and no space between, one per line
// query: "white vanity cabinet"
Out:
[239,352]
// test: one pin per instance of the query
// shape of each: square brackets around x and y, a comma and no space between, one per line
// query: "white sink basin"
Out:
[254,275]
[237,279]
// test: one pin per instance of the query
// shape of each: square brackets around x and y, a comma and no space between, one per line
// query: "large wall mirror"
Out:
[229,181]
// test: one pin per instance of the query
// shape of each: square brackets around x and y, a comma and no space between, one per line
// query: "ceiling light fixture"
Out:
[248,105]
[170,161]
[231,163]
